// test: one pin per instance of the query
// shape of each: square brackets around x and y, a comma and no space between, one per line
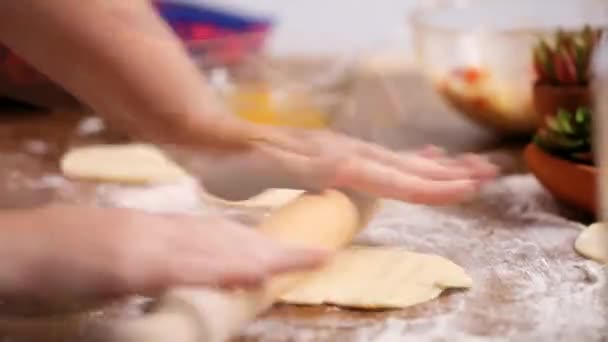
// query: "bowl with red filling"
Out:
[478,54]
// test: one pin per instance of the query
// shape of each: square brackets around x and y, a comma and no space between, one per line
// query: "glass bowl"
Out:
[281,92]
[478,54]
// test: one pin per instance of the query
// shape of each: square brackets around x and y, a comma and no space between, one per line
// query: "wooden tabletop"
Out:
[514,241]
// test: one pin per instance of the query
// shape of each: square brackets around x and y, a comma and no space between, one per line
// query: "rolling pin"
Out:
[328,220]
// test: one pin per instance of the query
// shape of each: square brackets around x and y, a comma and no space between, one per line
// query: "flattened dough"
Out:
[132,163]
[593,243]
[379,278]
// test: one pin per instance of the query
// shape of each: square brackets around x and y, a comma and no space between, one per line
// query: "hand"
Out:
[63,252]
[312,159]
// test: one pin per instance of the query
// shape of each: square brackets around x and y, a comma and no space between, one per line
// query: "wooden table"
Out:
[529,283]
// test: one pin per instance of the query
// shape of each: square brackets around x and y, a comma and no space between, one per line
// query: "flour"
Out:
[182,197]
[50,181]
[36,147]
[90,125]
[529,283]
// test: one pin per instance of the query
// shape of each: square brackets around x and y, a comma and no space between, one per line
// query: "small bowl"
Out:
[571,183]
[216,34]
[479,55]
[266,91]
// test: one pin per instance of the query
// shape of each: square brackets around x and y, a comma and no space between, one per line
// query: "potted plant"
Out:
[561,154]
[562,97]
[562,70]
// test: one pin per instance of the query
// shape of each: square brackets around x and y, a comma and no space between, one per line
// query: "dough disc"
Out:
[379,278]
[133,163]
[593,243]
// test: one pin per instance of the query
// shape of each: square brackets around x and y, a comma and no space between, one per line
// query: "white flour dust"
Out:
[182,197]
[36,147]
[529,284]
[90,125]
[50,181]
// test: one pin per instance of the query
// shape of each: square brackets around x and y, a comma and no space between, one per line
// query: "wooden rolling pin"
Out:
[327,220]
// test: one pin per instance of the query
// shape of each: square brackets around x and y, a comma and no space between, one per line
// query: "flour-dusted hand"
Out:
[63,252]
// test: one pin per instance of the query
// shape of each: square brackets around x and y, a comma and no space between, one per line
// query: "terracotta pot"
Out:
[549,99]
[571,183]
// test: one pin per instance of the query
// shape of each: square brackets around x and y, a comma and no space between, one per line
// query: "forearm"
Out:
[120,58]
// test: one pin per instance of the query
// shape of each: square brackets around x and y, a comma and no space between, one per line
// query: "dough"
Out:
[271,199]
[593,243]
[133,163]
[140,163]
[379,278]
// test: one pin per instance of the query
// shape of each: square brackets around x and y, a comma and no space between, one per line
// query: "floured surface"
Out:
[379,278]
[593,243]
[530,284]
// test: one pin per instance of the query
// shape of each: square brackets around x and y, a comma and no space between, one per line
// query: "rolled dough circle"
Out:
[379,278]
[131,163]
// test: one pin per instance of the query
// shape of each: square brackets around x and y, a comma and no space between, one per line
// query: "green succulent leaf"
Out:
[567,135]
[568,62]
[563,122]
[580,116]
[553,125]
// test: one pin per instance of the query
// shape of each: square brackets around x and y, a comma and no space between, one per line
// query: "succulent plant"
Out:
[566,60]
[568,135]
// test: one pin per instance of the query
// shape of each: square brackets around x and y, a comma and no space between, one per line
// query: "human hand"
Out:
[313,159]
[69,252]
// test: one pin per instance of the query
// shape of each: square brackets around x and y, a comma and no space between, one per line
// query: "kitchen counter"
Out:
[514,241]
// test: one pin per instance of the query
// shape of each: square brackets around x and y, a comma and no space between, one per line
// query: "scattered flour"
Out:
[530,285]
[90,125]
[36,147]
[50,181]
[182,197]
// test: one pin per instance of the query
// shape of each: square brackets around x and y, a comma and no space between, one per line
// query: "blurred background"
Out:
[344,25]
[361,66]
